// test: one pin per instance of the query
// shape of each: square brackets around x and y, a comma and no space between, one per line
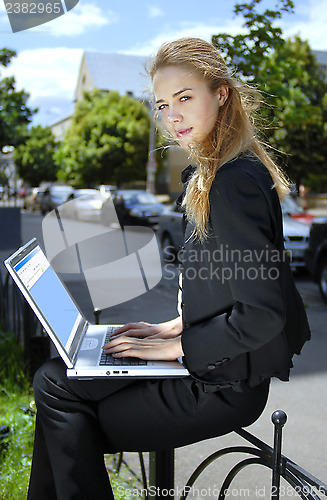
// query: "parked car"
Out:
[133,207]
[170,236]
[170,232]
[316,254]
[293,209]
[33,198]
[54,196]
[296,240]
[106,189]
[84,204]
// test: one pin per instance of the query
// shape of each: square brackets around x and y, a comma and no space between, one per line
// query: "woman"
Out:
[241,319]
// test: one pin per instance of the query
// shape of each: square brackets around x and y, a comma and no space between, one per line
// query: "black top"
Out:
[243,318]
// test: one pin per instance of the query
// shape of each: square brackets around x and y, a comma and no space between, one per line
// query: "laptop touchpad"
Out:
[89,344]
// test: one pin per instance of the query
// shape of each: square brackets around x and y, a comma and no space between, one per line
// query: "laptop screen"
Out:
[49,294]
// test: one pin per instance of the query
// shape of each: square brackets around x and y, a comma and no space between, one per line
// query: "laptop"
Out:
[78,342]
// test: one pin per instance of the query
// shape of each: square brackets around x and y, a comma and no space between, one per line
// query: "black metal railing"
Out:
[303,484]
[17,316]
[11,307]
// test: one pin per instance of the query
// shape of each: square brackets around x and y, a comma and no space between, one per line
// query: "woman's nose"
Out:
[174,116]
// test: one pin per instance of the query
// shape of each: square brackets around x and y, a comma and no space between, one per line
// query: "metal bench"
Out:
[303,484]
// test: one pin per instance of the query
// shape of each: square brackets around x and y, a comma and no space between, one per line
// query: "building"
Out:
[123,73]
[321,56]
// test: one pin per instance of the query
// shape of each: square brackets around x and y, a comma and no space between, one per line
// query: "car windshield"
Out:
[61,190]
[140,198]
[89,196]
[289,206]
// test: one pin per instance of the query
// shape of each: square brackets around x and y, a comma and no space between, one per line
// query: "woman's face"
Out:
[187,105]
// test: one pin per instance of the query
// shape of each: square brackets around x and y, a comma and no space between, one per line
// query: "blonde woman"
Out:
[241,321]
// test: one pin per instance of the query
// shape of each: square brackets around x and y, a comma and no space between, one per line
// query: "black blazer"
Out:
[243,318]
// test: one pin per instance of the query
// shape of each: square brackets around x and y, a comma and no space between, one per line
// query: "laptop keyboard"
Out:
[108,360]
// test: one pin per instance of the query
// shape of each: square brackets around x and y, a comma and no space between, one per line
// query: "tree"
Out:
[288,76]
[35,158]
[107,142]
[14,115]
[246,52]
[297,92]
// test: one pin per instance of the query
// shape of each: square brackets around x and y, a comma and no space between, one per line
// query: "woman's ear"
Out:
[222,92]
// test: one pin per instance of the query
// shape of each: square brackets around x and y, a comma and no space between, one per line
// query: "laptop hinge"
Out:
[74,348]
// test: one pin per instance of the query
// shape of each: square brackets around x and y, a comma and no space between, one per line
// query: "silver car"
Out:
[84,205]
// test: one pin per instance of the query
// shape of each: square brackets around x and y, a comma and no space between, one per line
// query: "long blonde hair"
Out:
[234,131]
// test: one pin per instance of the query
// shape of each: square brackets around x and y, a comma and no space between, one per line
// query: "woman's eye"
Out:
[185,98]
[161,107]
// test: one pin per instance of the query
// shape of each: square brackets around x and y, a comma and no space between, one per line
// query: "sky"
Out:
[49,56]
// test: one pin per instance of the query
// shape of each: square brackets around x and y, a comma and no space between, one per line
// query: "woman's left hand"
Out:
[148,349]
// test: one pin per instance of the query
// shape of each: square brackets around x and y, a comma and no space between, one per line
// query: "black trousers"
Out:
[78,421]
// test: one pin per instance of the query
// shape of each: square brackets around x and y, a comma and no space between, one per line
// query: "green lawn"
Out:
[17,411]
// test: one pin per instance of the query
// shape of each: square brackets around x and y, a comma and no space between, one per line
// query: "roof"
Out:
[120,72]
[321,56]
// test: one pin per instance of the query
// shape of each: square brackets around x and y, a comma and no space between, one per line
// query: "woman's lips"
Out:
[183,132]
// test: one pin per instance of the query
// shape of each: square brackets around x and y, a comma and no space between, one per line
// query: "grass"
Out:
[17,410]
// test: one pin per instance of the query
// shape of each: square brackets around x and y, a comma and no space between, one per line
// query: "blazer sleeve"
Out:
[243,225]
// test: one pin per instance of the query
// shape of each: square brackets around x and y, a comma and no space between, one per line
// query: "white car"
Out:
[106,189]
[84,205]
[170,236]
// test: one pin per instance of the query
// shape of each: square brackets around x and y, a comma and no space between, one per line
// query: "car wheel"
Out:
[323,279]
[167,248]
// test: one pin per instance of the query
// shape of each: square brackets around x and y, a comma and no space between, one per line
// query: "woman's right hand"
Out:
[167,330]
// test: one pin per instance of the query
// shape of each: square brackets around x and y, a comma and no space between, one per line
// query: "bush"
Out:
[13,373]
[17,410]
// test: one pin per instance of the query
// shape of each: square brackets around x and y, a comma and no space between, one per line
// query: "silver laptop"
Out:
[78,342]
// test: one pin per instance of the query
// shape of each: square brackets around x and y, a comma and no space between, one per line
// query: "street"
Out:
[303,398]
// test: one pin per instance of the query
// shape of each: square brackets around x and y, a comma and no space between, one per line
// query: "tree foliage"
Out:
[297,92]
[107,142]
[288,76]
[247,51]
[14,113]
[35,158]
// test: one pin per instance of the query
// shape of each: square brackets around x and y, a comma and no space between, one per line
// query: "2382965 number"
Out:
[33,8]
